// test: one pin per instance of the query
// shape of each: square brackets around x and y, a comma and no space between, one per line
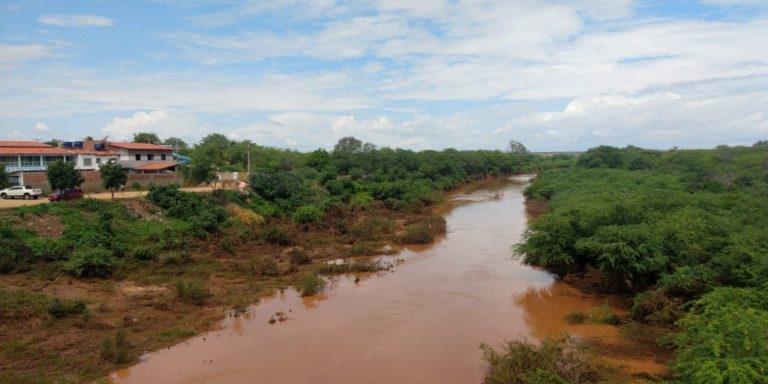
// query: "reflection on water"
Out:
[420,324]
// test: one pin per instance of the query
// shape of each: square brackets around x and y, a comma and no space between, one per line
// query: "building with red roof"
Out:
[87,155]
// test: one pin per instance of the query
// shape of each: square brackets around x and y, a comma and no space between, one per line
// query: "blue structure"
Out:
[183,160]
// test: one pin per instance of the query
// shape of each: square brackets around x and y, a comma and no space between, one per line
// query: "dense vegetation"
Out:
[189,253]
[684,233]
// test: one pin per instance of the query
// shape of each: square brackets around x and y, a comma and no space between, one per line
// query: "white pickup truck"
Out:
[21,191]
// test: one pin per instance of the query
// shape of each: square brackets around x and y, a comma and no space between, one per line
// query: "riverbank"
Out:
[59,328]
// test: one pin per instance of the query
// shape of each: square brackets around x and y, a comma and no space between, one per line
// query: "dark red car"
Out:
[67,194]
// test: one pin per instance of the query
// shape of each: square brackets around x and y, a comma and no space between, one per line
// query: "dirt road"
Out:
[13,203]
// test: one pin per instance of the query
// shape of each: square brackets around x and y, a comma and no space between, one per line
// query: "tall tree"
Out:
[3,177]
[63,175]
[146,137]
[213,148]
[517,147]
[112,176]
[348,144]
[176,142]
[199,171]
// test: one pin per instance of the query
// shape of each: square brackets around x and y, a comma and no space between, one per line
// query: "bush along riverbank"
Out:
[87,286]
[682,234]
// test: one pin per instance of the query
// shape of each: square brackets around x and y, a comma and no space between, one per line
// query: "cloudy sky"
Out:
[556,75]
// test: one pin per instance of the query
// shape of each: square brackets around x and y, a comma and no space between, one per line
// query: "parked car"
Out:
[67,194]
[21,191]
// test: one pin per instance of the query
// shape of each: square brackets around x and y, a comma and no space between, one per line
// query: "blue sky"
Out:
[558,75]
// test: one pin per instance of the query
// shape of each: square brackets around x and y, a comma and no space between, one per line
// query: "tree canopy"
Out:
[516,147]
[199,171]
[3,177]
[146,137]
[175,142]
[681,230]
[63,175]
[112,176]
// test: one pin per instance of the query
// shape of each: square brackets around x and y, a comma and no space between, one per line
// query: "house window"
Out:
[138,156]
[150,157]
[98,160]
[162,156]
[87,162]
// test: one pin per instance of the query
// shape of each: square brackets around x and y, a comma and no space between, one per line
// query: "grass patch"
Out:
[576,317]
[351,267]
[21,305]
[173,334]
[604,315]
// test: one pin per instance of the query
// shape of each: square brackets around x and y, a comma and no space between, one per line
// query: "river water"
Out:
[422,322]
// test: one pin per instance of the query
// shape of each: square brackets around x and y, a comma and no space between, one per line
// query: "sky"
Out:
[556,75]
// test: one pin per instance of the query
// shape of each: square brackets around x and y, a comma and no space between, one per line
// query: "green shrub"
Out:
[312,284]
[116,349]
[175,258]
[91,263]
[192,291]
[576,317]
[422,231]
[277,235]
[265,265]
[724,338]
[371,230]
[307,214]
[299,256]
[604,314]
[59,308]
[366,248]
[415,234]
[563,360]
[145,253]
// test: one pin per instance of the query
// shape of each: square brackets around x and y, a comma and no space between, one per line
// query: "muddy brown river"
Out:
[422,322]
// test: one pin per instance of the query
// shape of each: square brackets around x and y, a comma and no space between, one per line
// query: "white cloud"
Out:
[78,21]
[13,55]
[687,116]
[163,123]
[42,127]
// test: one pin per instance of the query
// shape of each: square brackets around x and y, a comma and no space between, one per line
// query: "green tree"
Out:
[63,175]
[725,338]
[176,142]
[112,176]
[348,144]
[53,142]
[3,177]
[200,171]
[213,146]
[516,147]
[146,137]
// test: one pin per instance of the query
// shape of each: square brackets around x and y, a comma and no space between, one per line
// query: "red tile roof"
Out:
[23,144]
[140,146]
[155,166]
[36,151]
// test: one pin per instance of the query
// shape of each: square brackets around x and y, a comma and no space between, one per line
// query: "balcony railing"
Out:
[24,168]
